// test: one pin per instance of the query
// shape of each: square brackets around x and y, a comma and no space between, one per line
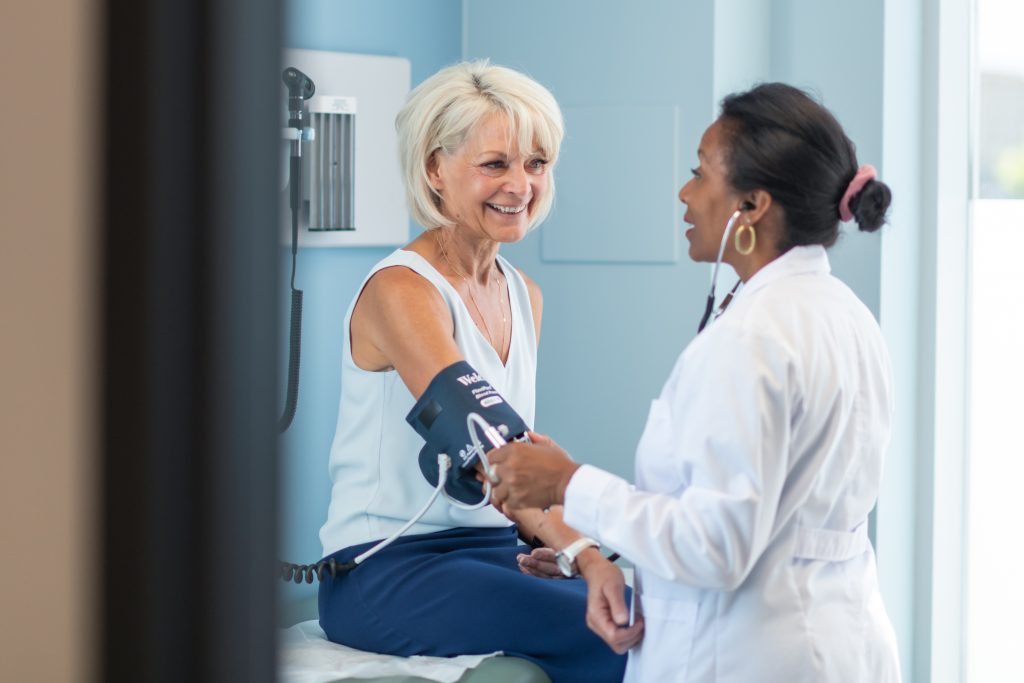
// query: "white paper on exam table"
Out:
[306,656]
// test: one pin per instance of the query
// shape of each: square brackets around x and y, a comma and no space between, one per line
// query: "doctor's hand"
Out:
[529,475]
[607,612]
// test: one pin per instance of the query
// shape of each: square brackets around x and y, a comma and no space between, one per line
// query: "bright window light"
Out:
[995,492]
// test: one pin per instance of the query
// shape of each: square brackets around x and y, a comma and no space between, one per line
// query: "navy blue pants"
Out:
[458,592]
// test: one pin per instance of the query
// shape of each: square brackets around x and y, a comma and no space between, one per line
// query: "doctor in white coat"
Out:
[762,456]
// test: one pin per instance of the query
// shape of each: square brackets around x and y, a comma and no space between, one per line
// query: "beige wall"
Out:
[49,174]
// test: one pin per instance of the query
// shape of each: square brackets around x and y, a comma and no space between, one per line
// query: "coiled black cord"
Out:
[298,573]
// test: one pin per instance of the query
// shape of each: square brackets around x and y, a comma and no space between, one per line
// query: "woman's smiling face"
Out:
[487,188]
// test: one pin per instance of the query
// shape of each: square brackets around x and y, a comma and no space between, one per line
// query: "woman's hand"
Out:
[525,475]
[607,612]
[541,563]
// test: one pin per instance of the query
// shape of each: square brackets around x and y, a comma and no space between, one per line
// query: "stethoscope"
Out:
[710,306]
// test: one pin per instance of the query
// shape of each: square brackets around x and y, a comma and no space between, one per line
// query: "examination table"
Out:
[316,669]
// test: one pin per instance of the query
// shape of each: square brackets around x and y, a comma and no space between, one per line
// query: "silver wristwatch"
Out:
[566,557]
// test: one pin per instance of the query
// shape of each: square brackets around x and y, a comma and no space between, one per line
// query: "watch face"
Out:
[564,564]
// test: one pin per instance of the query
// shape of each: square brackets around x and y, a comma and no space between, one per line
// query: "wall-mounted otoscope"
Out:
[300,88]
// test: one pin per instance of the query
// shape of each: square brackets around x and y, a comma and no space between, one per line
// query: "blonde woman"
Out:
[478,144]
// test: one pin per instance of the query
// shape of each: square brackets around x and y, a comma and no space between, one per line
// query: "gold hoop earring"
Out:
[753,239]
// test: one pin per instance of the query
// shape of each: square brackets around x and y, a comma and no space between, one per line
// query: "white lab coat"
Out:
[755,474]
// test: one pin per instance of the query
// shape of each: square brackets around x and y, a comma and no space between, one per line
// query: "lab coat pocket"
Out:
[668,637]
[656,468]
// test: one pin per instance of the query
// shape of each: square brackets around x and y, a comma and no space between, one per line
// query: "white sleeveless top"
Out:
[376,481]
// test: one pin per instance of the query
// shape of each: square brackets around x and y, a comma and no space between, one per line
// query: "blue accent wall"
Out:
[616,316]
[429,34]
[844,68]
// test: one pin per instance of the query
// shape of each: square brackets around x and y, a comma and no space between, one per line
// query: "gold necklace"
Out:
[461,274]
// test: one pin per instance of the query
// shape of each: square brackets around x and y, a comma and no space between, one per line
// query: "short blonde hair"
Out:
[442,111]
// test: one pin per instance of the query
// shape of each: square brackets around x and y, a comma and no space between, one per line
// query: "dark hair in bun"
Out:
[870,204]
[780,140]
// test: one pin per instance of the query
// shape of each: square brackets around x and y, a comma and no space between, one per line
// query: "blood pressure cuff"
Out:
[440,418]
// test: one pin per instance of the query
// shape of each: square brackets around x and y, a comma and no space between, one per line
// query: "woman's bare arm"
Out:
[401,322]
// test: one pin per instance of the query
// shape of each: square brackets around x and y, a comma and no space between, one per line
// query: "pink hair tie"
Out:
[864,174]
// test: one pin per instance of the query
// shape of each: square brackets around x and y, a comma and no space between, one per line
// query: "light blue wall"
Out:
[835,50]
[619,326]
[612,330]
[429,34]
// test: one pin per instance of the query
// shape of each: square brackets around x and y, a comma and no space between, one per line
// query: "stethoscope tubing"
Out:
[710,306]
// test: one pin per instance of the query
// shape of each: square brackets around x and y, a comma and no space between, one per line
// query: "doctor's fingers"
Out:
[498,495]
[607,614]
[616,599]
[510,482]
[502,454]
[504,494]
[517,490]
[628,638]
[601,615]
[540,438]
[619,638]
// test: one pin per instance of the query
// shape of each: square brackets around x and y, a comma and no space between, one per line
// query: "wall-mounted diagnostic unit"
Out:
[353,195]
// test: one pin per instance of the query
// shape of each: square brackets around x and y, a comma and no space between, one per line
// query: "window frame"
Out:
[943,381]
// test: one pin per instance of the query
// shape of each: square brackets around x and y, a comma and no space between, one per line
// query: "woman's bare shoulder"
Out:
[401,321]
[397,294]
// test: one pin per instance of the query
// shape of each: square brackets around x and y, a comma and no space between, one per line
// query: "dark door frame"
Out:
[189,352]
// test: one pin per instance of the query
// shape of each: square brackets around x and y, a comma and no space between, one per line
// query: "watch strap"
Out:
[567,556]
